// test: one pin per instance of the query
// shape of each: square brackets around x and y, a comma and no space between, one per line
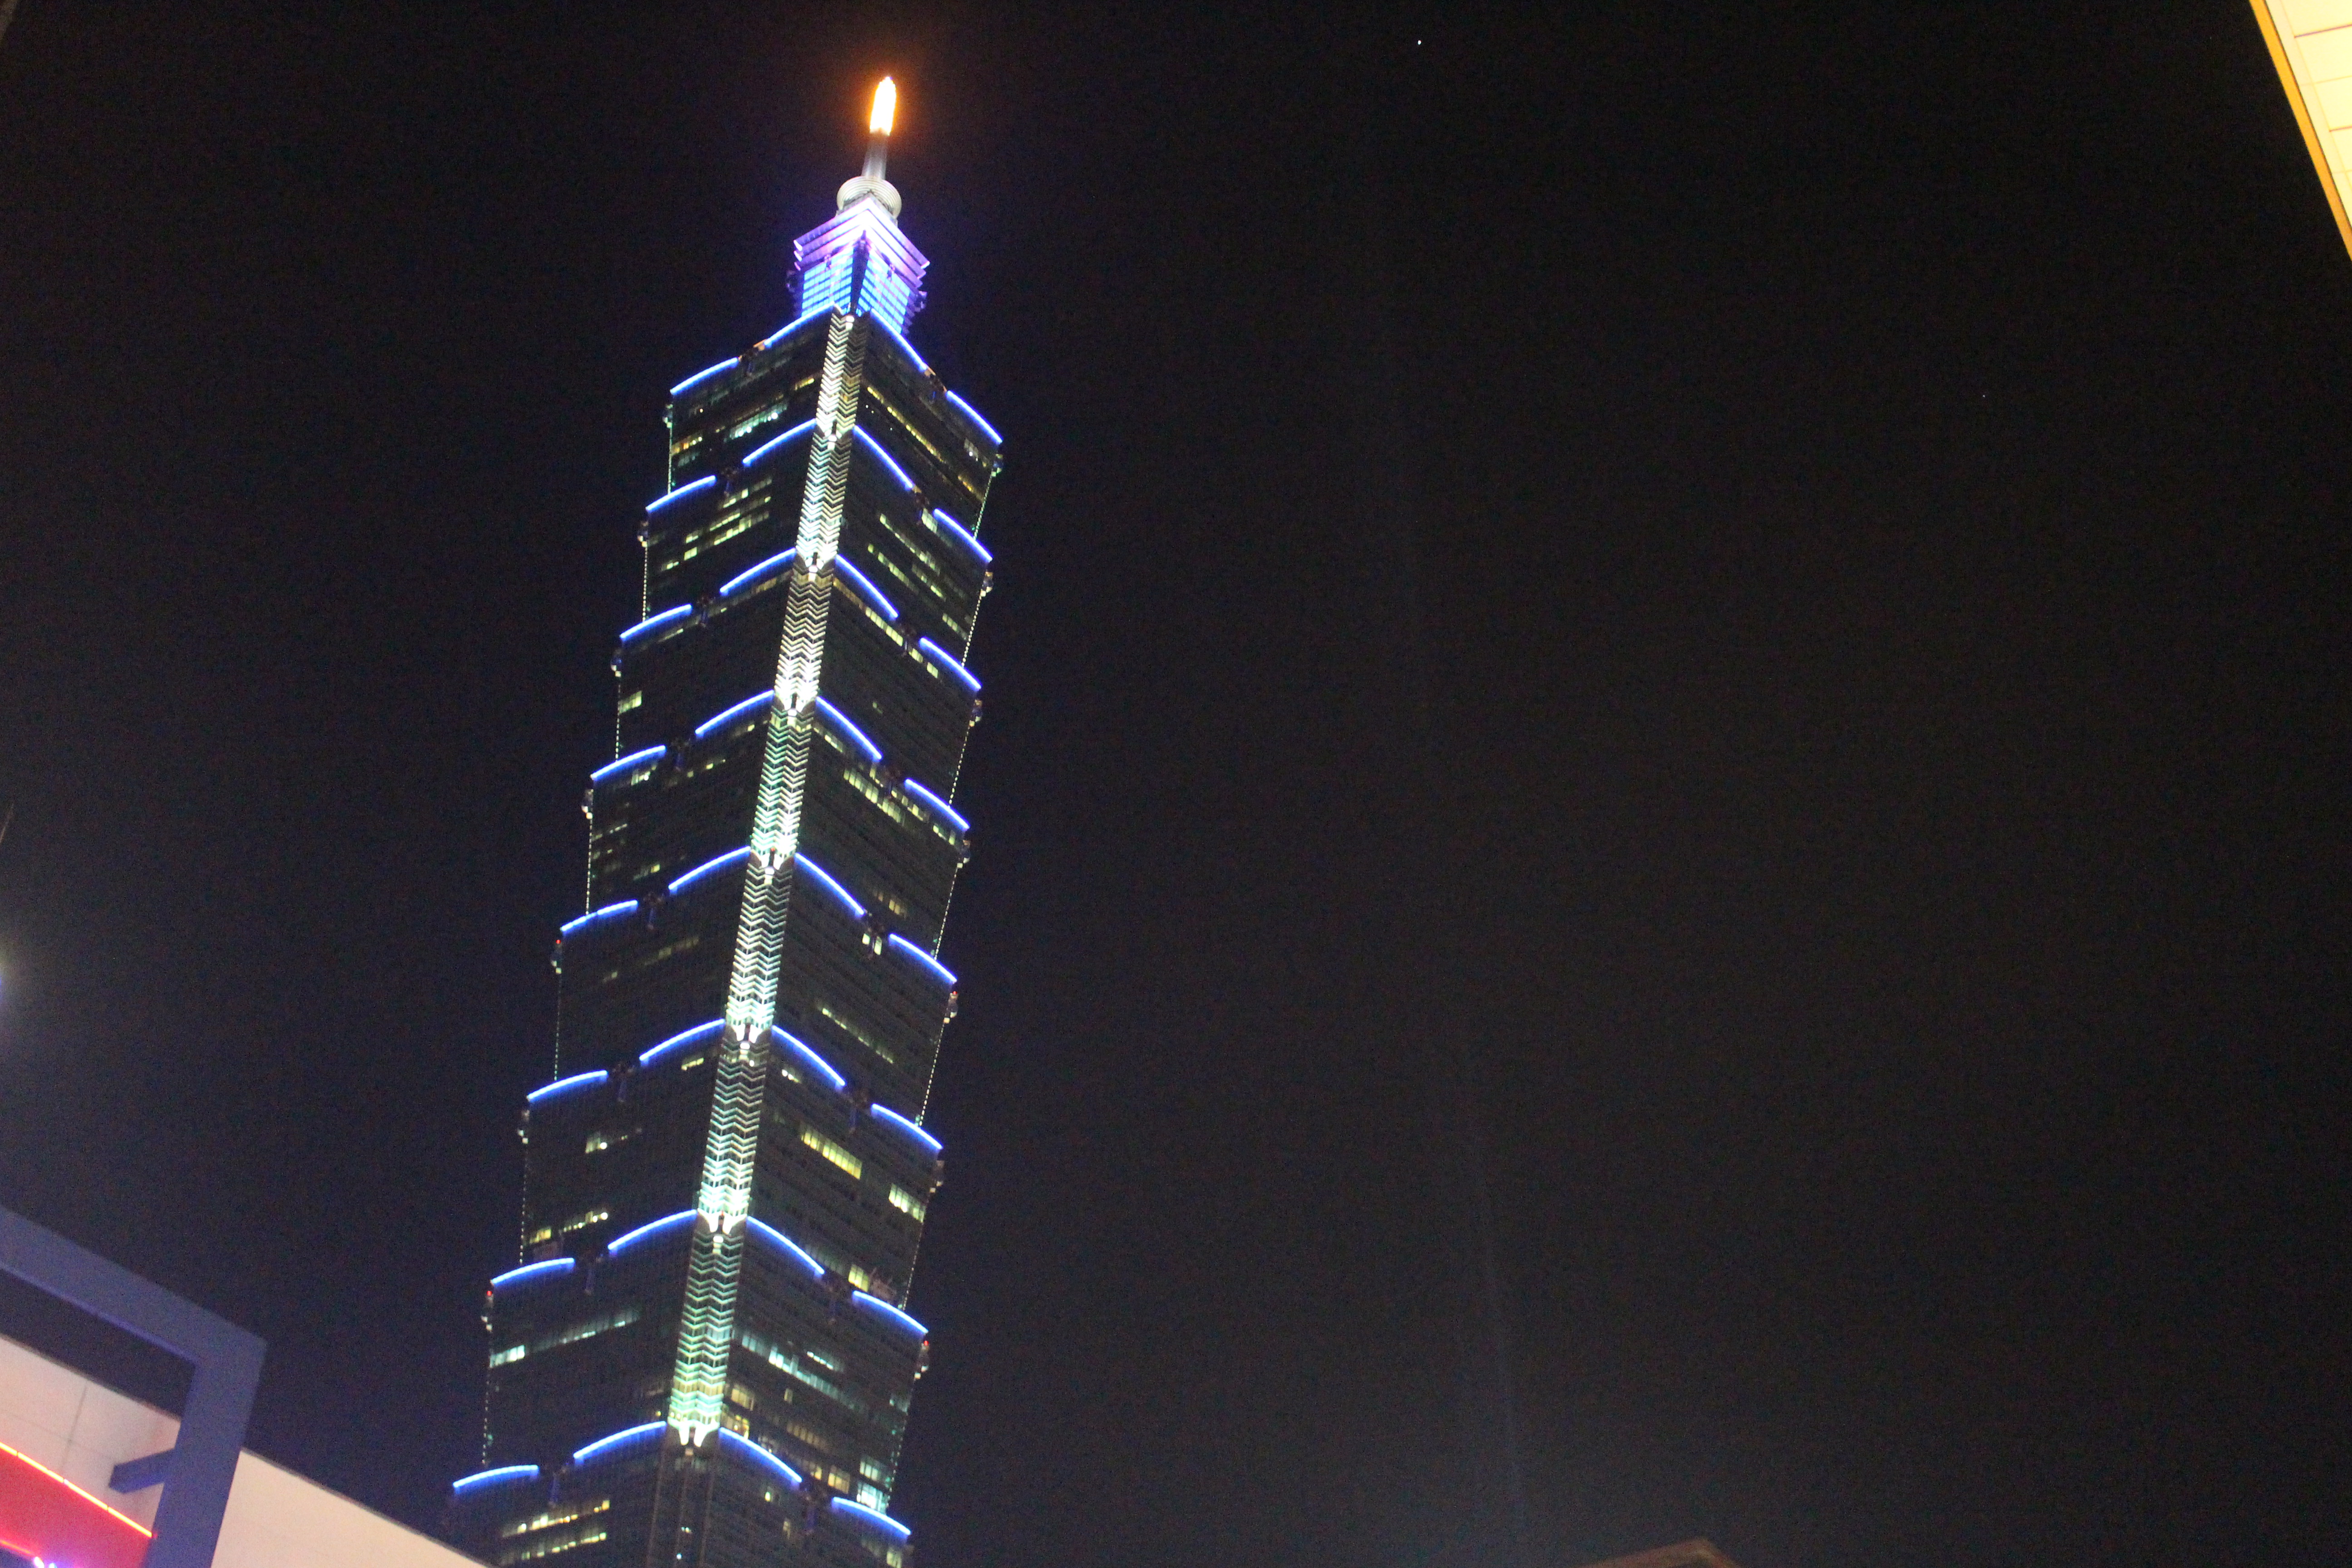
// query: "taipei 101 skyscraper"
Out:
[704,1354]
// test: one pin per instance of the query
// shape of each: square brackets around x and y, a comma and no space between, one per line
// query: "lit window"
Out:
[905,1201]
[832,1150]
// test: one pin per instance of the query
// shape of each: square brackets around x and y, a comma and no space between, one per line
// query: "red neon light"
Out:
[57,1522]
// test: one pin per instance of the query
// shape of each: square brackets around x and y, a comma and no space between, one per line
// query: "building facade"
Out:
[703,1356]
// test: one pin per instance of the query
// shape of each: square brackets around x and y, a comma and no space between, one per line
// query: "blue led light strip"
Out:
[597,917]
[848,731]
[887,462]
[577,1081]
[552,1266]
[664,503]
[633,761]
[974,414]
[883,1114]
[744,579]
[904,346]
[698,377]
[744,1448]
[873,1517]
[889,1314]
[504,1473]
[669,617]
[959,533]
[790,327]
[726,716]
[938,971]
[711,868]
[950,663]
[603,1447]
[827,880]
[938,807]
[699,1034]
[802,428]
[785,1244]
[810,1060]
[865,586]
[646,1231]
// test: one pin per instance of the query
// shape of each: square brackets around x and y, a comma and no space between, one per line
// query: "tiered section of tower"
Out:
[704,1357]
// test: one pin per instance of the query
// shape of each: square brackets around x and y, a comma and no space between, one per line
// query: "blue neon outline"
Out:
[615,1248]
[974,414]
[802,428]
[864,584]
[801,1050]
[899,338]
[491,1478]
[937,805]
[826,878]
[711,868]
[894,1317]
[729,1440]
[654,622]
[925,959]
[610,911]
[529,1270]
[795,325]
[726,716]
[661,503]
[887,460]
[597,1449]
[560,1085]
[959,533]
[939,655]
[698,377]
[770,1234]
[623,764]
[841,723]
[680,1040]
[770,564]
[875,1516]
[909,1128]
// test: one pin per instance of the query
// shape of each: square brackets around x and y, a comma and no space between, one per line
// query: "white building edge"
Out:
[81,1429]
[2311,44]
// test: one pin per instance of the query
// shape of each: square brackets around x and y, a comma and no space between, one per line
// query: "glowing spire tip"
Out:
[886,107]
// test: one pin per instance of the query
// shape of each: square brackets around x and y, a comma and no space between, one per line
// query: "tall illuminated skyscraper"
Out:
[703,1357]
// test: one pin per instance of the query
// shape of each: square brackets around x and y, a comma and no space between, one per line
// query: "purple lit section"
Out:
[818,256]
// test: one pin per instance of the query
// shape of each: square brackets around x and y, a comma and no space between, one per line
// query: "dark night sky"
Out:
[1861,844]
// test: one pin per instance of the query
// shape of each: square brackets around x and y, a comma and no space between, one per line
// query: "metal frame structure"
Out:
[198,1470]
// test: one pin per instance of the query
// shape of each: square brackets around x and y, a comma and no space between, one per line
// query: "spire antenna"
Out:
[885,109]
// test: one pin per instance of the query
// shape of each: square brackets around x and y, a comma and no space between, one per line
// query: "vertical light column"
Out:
[730,1154]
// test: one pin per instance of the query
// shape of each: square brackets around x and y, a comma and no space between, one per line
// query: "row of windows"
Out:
[572,1333]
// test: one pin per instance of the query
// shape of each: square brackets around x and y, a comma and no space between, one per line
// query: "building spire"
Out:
[877,153]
